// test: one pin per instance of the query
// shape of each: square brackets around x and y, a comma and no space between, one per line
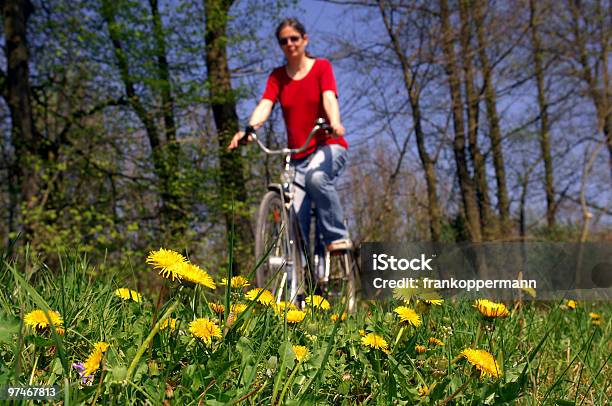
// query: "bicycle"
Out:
[278,236]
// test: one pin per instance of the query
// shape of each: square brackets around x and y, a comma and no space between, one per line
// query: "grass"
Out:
[546,353]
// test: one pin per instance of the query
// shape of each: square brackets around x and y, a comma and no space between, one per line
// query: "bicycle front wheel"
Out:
[277,249]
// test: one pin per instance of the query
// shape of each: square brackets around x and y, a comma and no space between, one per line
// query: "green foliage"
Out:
[536,348]
[559,233]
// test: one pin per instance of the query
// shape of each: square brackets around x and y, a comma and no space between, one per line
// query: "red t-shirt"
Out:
[302,103]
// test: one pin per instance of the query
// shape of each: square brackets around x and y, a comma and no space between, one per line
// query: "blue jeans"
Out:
[315,177]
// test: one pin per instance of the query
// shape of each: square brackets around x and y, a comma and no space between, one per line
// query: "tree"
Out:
[167,100]
[29,147]
[164,152]
[544,133]
[466,183]
[472,113]
[490,98]
[232,191]
[588,44]
[413,90]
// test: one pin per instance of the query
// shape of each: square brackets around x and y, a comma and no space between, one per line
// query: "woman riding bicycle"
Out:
[306,90]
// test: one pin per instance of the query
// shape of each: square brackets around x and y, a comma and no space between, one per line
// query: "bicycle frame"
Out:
[291,237]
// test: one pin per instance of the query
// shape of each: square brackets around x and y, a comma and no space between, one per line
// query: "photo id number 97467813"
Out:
[29,392]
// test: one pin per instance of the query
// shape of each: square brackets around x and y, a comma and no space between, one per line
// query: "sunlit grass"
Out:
[189,347]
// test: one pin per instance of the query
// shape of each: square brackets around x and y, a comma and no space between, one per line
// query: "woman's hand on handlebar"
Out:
[258,118]
[338,129]
[238,139]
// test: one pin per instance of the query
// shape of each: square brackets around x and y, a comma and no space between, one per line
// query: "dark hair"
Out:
[296,25]
[293,23]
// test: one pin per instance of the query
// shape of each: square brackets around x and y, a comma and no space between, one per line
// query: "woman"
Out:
[306,90]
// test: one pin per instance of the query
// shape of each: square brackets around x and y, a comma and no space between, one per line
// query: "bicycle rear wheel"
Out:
[341,281]
[277,249]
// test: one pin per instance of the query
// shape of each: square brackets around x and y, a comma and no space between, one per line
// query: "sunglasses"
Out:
[286,40]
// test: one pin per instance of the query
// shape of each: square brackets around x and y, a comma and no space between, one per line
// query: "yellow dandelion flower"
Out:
[265,296]
[435,341]
[300,352]
[428,295]
[424,390]
[483,361]
[375,341]
[420,349]
[408,315]
[92,363]
[594,316]
[238,308]
[362,332]
[571,304]
[128,294]
[295,316]
[317,301]
[334,317]
[204,329]
[596,322]
[405,294]
[194,274]
[236,282]
[433,302]
[491,309]
[217,308]
[166,261]
[37,319]
[101,346]
[168,323]
[280,307]
[60,330]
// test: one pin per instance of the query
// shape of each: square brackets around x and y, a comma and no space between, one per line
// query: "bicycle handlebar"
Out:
[320,124]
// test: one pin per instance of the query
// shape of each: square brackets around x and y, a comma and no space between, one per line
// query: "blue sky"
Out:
[326,21]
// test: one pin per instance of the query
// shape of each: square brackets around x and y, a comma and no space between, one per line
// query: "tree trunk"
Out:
[472,109]
[466,184]
[433,207]
[608,134]
[524,182]
[27,143]
[544,125]
[599,93]
[426,160]
[604,54]
[490,95]
[232,190]
[170,206]
[163,73]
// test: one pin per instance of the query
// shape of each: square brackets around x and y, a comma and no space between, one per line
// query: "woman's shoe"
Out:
[339,245]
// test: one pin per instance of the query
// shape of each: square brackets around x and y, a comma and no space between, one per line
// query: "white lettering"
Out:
[383,262]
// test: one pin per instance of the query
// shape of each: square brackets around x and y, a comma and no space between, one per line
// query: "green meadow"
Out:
[145,348]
